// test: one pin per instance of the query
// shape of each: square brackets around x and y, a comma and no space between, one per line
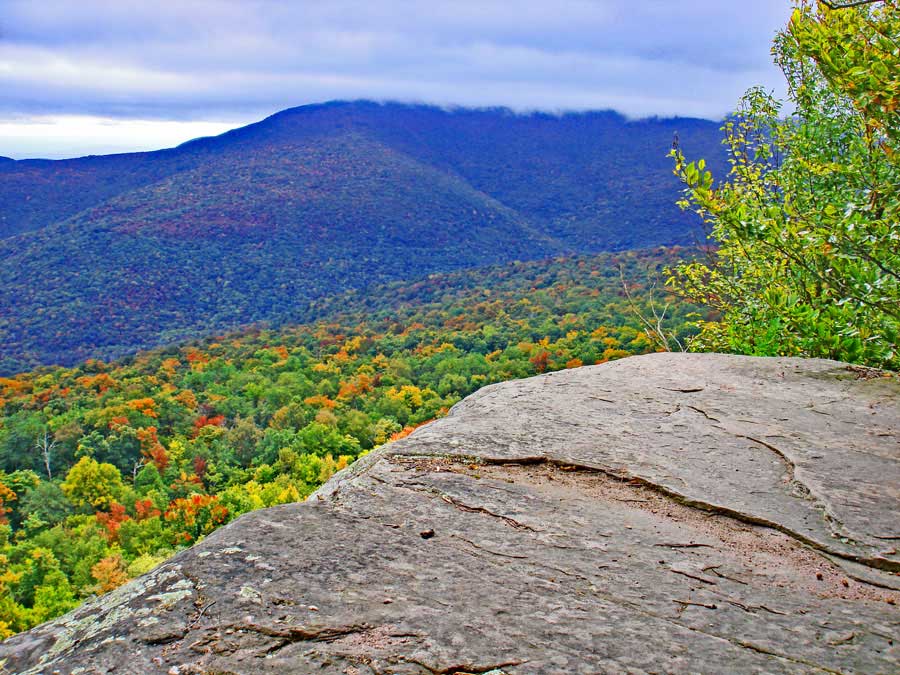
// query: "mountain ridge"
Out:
[187,154]
[110,253]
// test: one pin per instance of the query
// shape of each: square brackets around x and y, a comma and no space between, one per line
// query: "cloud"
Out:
[77,135]
[230,61]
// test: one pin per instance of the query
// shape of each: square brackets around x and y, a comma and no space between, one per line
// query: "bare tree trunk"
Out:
[653,329]
[46,446]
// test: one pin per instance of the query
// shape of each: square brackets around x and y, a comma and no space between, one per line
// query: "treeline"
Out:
[107,469]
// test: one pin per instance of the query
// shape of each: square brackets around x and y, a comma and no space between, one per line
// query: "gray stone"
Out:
[659,514]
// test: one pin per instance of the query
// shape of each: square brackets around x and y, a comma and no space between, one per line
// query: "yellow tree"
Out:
[94,484]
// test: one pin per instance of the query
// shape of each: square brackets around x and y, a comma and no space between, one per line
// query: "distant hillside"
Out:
[103,255]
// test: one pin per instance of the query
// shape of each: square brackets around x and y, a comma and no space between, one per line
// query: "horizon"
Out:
[449,109]
[96,78]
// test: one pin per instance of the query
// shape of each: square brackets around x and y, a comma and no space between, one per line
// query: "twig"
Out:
[487,550]
[715,570]
[847,5]
[655,331]
[200,615]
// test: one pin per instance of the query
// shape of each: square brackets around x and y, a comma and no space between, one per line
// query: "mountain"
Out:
[103,255]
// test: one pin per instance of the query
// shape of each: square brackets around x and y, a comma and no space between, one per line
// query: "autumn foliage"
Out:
[153,453]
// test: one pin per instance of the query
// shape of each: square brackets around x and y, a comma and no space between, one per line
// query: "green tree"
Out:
[807,223]
[46,502]
[78,544]
[52,598]
[319,439]
[243,438]
[148,480]
[17,441]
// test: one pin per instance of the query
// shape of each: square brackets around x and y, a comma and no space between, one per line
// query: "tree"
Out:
[6,496]
[195,516]
[90,483]
[45,445]
[46,502]
[17,436]
[807,223]
[243,438]
[110,573]
[148,480]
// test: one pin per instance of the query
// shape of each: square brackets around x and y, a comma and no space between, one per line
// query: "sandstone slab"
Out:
[660,514]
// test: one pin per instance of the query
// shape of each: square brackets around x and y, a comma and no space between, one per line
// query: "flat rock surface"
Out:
[670,513]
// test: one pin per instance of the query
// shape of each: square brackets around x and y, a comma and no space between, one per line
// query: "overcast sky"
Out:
[97,76]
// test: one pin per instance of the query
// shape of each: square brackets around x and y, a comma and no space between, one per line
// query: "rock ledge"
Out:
[659,514]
